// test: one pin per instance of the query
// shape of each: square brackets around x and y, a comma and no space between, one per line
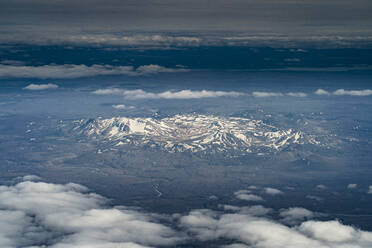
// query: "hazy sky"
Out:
[20,19]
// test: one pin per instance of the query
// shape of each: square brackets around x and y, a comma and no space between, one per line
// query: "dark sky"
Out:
[56,19]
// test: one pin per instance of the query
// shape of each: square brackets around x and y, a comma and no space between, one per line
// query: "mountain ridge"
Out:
[194,133]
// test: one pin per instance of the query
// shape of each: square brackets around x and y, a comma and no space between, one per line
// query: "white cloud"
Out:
[244,230]
[12,62]
[109,91]
[322,92]
[127,40]
[188,94]
[297,94]
[256,210]
[370,189]
[273,191]
[246,196]
[116,37]
[182,94]
[76,71]
[122,107]
[342,92]
[37,213]
[212,198]
[40,86]
[296,215]
[321,186]
[273,94]
[31,178]
[352,186]
[151,69]
[331,231]
[265,94]
[236,246]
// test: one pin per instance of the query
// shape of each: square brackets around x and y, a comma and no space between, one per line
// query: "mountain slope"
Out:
[194,133]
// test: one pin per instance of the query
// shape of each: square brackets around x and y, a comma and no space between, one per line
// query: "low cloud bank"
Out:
[273,94]
[40,87]
[38,214]
[49,36]
[342,92]
[320,92]
[73,36]
[182,94]
[265,94]
[247,229]
[77,71]
[297,94]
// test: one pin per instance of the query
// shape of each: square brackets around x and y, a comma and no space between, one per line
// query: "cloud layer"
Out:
[190,94]
[38,214]
[77,71]
[246,230]
[182,94]
[320,92]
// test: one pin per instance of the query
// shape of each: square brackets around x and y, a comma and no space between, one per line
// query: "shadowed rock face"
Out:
[195,133]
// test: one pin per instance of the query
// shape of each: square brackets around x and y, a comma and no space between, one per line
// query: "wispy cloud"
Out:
[74,36]
[321,186]
[76,71]
[182,94]
[31,178]
[343,92]
[122,107]
[352,186]
[265,94]
[297,94]
[273,94]
[256,210]
[108,91]
[152,69]
[104,39]
[40,86]
[313,197]
[370,189]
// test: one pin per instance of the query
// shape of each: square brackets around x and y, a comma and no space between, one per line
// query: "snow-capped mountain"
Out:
[193,133]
